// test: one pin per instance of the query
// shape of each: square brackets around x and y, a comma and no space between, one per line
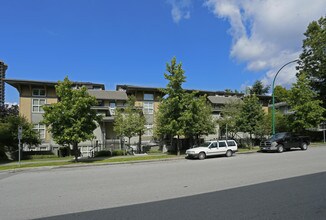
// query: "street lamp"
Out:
[273,98]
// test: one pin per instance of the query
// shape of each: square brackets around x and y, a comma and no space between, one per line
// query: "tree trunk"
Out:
[75,149]
[139,144]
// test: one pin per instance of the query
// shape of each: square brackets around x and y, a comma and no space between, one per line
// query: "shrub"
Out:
[117,153]
[103,153]
[33,157]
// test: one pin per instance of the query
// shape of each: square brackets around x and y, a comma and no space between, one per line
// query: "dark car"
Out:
[285,141]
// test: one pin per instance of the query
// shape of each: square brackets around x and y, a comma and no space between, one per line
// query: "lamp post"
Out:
[273,98]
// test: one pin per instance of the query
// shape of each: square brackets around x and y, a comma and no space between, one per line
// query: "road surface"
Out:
[290,185]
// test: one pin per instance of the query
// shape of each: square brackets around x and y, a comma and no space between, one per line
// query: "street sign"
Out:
[20,132]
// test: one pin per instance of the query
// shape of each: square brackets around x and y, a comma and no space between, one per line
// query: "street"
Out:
[290,185]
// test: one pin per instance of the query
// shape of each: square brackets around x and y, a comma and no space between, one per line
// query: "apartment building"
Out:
[34,94]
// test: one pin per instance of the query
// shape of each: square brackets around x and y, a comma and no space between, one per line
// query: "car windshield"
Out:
[205,144]
[277,136]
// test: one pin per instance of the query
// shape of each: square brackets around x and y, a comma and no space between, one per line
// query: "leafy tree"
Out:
[71,120]
[197,117]
[6,110]
[281,94]
[265,128]
[251,115]
[9,131]
[259,89]
[171,108]
[308,112]
[313,57]
[230,114]
[129,122]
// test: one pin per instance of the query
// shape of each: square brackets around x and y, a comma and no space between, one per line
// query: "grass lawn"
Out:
[69,161]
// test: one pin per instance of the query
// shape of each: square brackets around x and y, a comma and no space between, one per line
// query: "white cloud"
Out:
[268,33]
[11,103]
[180,9]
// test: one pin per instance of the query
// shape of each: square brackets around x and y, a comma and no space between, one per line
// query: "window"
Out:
[221,144]
[149,130]
[214,145]
[231,143]
[37,105]
[148,108]
[149,97]
[38,92]
[112,107]
[40,128]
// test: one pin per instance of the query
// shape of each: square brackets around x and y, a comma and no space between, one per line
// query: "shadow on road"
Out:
[294,198]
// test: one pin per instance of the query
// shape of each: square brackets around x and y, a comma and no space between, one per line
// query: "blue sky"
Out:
[221,44]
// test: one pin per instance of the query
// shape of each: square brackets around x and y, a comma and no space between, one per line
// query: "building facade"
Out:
[3,68]
[34,94]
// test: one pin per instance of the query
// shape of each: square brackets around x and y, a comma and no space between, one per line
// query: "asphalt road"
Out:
[290,185]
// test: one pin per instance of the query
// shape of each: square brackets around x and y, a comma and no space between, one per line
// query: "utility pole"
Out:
[20,134]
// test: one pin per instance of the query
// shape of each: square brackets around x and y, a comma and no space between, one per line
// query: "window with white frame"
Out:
[148,108]
[38,92]
[40,129]
[149,130]
[37,105]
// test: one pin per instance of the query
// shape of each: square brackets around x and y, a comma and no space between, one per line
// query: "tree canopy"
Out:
[313,57]
[71,120]
[251,115]
[258,88]
[308,112]
[9,122]
[129,122]
[281,94]
[181,112]
[230,115]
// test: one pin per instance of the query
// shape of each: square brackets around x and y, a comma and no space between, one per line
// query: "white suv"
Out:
[212,148]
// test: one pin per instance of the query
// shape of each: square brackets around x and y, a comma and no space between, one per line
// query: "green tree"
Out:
[6,110]
[71,120]
[196,119]
[258,88]
[251,116]
[230,114]
[129,122]
[281,94]
[313,57]
[171,108]
[308,112]
[9,134]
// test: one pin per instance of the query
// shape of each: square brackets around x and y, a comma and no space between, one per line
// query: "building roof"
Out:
[108,95]
[129,88]
[17,82]
[222,99]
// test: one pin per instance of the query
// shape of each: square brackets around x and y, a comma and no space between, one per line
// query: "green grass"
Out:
[39,163]
[243,150]
[135,158]
[15,165]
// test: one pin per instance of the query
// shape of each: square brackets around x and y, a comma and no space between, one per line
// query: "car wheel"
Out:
[229,153]
[280,148]
[304,146]
[201,156]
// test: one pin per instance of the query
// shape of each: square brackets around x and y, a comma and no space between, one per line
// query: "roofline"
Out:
[14,82]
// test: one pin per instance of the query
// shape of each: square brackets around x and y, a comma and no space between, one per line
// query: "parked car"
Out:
[213,148]
[285,141]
